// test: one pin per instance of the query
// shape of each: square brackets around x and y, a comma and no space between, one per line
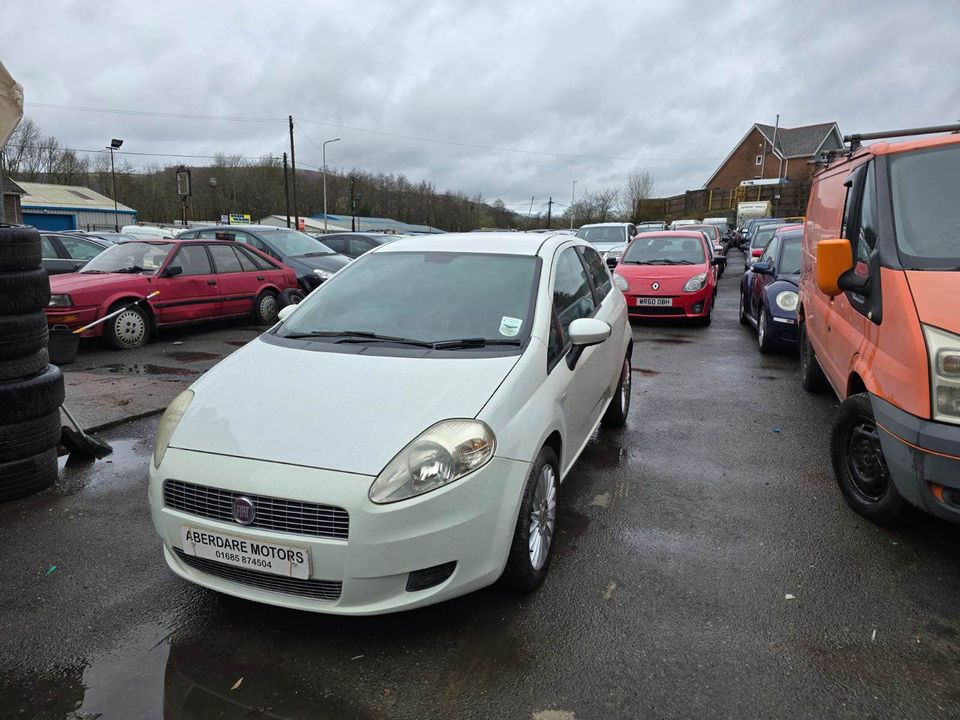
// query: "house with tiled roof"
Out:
[768,152]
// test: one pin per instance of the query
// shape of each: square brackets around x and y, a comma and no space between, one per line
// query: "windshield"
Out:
[926,214]
[792,252]
[426,297]
[602,237]
[665,250]
[130,257]
[293,242]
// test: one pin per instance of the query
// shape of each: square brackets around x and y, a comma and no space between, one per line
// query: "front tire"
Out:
[619,407]
[130,329]
[534,535]
[743,311]
[859,466]
[764,343]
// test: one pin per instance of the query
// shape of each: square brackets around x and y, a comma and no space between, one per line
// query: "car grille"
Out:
[315,589]
[287,516]
[653,310]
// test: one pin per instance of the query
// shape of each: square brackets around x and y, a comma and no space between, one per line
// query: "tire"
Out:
[812,378]
[764,343]
[521,573]
[25,477]
[619,407]
[743,311]
[130,329]
[19,249]
[22,335]
[27,438]
[708,318]
[31,398]
[24,367]
[265,308]
[859,466]
[24,291]
[290,296]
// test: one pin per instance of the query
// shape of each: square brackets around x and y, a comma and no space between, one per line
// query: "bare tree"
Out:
[639,187]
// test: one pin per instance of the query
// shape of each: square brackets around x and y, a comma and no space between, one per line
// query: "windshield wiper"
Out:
[133,269]
[474,342]
[94,272]
[358,336]
[314,254]
[658,261]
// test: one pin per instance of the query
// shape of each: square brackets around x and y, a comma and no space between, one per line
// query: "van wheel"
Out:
[265,308]
[812,378]
[619,407]
[129,329]
[859,466]
[536,530]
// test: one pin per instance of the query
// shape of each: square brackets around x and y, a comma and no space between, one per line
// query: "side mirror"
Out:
[583,333]
[761,268]
[173,271]
[286,312]
[834,258]
[719,260]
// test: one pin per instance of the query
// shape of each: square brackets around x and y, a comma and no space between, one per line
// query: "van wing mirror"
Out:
[834,258]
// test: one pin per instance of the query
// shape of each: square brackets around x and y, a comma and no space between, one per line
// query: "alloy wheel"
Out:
[543,517]
[625,379]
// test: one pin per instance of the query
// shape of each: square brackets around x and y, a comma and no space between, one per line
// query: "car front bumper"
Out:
[74,318]
[686,305]
[469,522]
[923,458]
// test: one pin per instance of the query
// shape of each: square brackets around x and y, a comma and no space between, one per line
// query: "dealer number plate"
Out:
[656,301]
[246,553]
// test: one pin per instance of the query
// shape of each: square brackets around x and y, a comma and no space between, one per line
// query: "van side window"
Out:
[867,236]
[850,205]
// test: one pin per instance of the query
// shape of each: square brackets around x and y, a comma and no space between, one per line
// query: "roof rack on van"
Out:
[856,139]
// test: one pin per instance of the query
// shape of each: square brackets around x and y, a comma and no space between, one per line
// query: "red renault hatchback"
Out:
[668,274]
[196,279]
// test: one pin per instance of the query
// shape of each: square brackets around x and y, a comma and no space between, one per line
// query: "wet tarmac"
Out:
[706,567]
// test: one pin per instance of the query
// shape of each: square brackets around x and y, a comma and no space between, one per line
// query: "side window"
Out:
[771,251]
[258,261]
[867,235]
[47,248]
[358,246]
[598,273]
[246,264]
[336,244]
[572,297]
[256,242]
[555,341]
[80,249]
[224,259]
[193,259]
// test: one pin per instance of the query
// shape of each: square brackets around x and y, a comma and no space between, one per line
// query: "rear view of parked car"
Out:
[879,321]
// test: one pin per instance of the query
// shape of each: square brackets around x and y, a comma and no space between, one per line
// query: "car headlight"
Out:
[788,300]
[323,274]
[60,301]
[620,282]
[168,423]
[441,454]
[697,282]
[944,351]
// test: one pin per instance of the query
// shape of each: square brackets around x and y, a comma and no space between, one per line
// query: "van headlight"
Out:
[168,424]
[788,300]
[695,283]
[441,454]
[944,351]
[620,282]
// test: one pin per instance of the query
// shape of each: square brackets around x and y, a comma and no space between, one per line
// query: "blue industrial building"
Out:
[71,207]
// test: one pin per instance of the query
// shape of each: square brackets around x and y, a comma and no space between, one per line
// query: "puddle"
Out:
[603,456]
[193,355]
[572,524]
[645,371]
[145,369]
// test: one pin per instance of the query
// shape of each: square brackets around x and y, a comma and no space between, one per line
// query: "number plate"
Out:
[656,301]
[246,553]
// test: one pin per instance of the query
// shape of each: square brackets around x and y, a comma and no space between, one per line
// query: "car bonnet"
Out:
[334,410]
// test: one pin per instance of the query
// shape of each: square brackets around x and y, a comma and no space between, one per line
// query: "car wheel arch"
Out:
[855,384]
[124,299]
[555,442]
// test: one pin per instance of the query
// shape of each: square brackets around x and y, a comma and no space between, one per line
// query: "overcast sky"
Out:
[589,90]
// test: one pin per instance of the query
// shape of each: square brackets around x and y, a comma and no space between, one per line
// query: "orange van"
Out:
[879,319]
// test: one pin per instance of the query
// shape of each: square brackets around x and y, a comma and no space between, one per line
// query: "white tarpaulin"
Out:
[11,104]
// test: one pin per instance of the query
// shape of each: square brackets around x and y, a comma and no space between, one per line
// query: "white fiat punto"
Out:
[399,438]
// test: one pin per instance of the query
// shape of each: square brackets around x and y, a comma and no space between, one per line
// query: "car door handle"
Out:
[261,277]
[211,282]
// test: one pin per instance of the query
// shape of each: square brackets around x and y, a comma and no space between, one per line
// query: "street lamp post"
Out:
[573,197]
[323,150]
[114,145]
[213,188]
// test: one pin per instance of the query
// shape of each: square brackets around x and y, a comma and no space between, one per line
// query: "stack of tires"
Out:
[31,390]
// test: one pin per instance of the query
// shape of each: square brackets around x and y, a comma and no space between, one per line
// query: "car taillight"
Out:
[757,253]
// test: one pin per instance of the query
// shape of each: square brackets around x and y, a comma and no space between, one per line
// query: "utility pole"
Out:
[286,189]
[530,211]
[549,209]
[353,207]
[573,197]
[293,172]
[324,151]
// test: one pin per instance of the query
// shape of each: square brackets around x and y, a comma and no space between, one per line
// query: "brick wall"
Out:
[742,164]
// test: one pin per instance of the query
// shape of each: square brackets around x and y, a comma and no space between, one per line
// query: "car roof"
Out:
[497,243]
[671,233]
[606,224]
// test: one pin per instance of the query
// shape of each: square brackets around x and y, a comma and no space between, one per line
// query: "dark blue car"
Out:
[769,291]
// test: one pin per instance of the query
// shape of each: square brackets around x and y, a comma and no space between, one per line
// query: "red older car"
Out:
[668,274]
[196,279]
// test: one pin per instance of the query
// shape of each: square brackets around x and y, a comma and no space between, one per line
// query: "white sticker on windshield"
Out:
[510,326]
